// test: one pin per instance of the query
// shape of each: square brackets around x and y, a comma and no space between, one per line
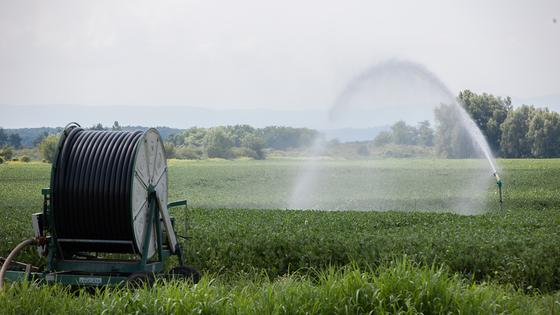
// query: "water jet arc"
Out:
[389,83]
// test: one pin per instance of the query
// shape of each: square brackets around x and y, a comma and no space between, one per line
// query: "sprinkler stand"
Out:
[499,184]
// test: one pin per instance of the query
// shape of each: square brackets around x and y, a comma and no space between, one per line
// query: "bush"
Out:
[188,153]
[25,159]
[383,138]
[244,152]
[405,151]
[169,150]
[254,146]
[218,144]
[7,153]
[48,146]
[1,160]
[363,150]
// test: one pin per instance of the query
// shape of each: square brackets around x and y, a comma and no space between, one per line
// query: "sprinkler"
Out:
[499,184]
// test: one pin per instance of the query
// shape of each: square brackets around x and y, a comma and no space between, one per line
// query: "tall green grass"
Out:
[399,287]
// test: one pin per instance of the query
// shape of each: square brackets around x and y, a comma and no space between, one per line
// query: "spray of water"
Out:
[477,137]
[390,88]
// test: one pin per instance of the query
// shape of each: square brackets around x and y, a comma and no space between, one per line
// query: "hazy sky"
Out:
[266,54]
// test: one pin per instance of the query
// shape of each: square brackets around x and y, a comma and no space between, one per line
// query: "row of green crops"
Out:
[400,287]
[518,246]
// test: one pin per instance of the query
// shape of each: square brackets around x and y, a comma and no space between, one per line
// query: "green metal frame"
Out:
[95,271]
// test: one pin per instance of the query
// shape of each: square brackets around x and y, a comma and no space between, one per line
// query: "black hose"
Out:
[91,189]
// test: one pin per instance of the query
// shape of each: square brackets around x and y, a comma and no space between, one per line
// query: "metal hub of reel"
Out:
[149,176]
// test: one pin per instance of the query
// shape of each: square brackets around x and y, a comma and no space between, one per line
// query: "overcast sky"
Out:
[265,54]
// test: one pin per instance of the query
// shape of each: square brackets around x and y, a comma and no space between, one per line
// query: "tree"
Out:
[169,149]
[451,140]
[239,132]
[189,153]
[544,133]
[14,140]
[256,144]
[488,112]
[514,141]
[48,148]
[425,134]
[535,134]
[3,137]
[7,153]
[193,137]
[99,126]
[363,150]
[116,126]
[218,144]
[383,138]
[40,138]
[552,134]
[403,134]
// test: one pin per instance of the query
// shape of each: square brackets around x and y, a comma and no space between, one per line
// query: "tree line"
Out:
[237,141]
[403,134]
[226,142]
[522,132]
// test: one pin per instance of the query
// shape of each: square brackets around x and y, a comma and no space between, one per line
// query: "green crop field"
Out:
[258,257]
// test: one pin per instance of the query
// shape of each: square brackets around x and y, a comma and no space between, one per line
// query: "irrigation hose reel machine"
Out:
[105,217]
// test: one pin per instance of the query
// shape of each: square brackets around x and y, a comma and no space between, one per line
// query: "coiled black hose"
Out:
[91,190]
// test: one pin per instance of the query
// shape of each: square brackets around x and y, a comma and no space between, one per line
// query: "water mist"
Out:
[388,92]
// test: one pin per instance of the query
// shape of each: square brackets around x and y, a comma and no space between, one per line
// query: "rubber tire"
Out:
[185,273]
[140,279]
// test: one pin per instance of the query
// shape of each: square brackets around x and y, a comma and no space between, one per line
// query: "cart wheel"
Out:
[185,273]
[140,279]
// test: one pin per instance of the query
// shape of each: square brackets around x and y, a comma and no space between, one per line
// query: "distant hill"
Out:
[30,135]
[354,125]
[174,116]
[27,116]
[185,117]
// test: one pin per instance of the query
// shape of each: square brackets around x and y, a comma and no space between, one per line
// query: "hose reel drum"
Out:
[100,190]
[108,195]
